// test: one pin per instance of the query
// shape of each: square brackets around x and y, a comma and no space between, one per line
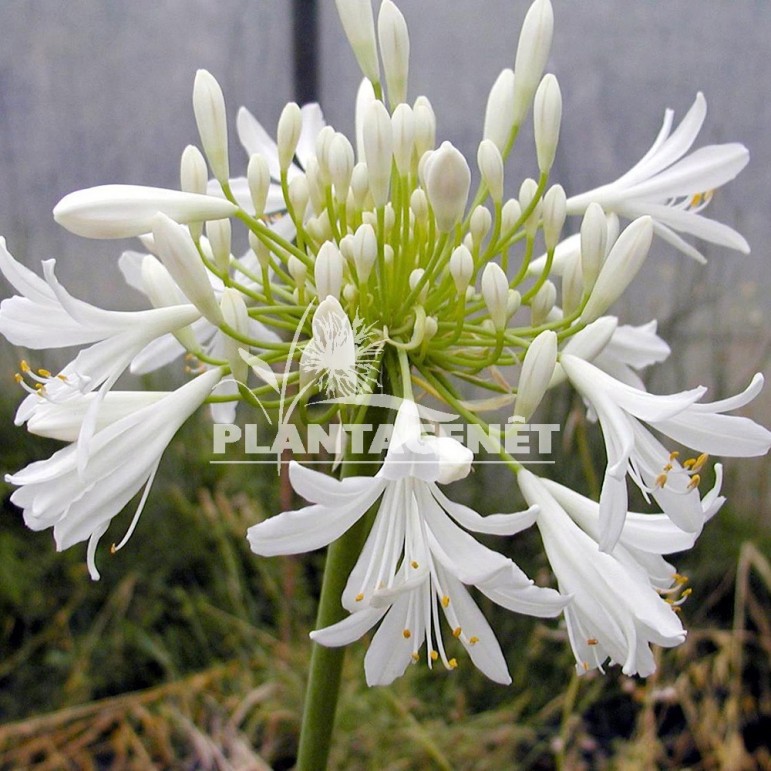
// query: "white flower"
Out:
[416,559]
[673,187]
[615,610]
[632,448]
[80,502]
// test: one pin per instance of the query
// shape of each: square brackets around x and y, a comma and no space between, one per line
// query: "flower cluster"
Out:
[376,277]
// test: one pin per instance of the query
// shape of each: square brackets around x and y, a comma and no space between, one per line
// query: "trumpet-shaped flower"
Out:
[672,187]
[416,559]
[79,503]
[615,610]
[632,448]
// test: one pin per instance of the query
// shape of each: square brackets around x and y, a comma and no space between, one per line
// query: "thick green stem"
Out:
[327,663]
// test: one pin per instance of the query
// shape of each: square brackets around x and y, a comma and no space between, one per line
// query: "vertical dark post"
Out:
[305,37]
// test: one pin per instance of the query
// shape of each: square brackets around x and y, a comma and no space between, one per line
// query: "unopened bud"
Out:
[547,118]
[359,25]
[532,53]
[258,179]
[360,185]
[193,176]
[594,235]
[340,165]
[527,192]
[461,268]
[425,126]
[415,278]
[261,251]
[495,292]
[378,150]
[542,303]
[122,211]
[510,215]
[328,271]
[490,164]
[179,254]
[211,119]
[394,50]
[572,285]
[403,122]
[624,261]
[290,125]
[537,370]
[480,223]
[219,234]
[553,213]
[236,316]
[163,292]
[298,195]
[315,185]
[323,142]
[448,179]
[513,302]
[499,113]
[365,251]
[297,271]
[419,206]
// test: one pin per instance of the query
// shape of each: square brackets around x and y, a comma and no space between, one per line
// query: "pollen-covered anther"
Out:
[674,455]
[359,597]
[700,200]
[433,655]
[661,479]
[586,666]
[406,634]
[473,640]
[694,483]
[679,579]
[457,632]
[415,657]
[452,663]
[445,601]
[414,565]
[592,641]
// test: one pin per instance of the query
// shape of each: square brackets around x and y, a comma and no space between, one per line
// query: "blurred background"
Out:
[93,92]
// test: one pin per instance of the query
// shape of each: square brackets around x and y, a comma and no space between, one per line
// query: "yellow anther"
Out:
[667,468]
[44,373]
[592,641]
[586,666]
[676,608]
[686,593]
[473,640]
[453,663]
[39,387]
[680,579]
[434,655]
[694,483]
[689,464]
[113,549]
[445,601]
[63,378]
[414,564]
[359,597]
[456,632]
[18,378]
[406,634]
[24,366]
[700,461]
[415,657]
[674,455]
[661,480]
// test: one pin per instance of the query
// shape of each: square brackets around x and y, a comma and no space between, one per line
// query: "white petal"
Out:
[349,629]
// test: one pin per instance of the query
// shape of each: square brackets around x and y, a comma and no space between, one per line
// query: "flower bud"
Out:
[378,151]
[572,285]
[527,193]
[554,212]
[513,302]
[403,124]
[341,160]
[315,185]
[360,185]
[297,270]
[542,303]
[510,215]
[394,51]
[490,164]
[365,251]
[261,251]
[415,277]
[461,268]
[122,211]
[328,271]
[547,118]
[298,194]
[359,26]
[624,261]
[419,206]
[499,113]
[594,234]
[258,179]
[290,125]
[323,141]
[480,224]
[211,119]
[586,344]
[178,252]
[537,370]
[236,316]
[219,234]
[193,176]
[425,126]
[532,53]
[448,179]
[495,292]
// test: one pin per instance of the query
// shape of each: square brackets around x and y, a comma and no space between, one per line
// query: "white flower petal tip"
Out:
[123,211]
